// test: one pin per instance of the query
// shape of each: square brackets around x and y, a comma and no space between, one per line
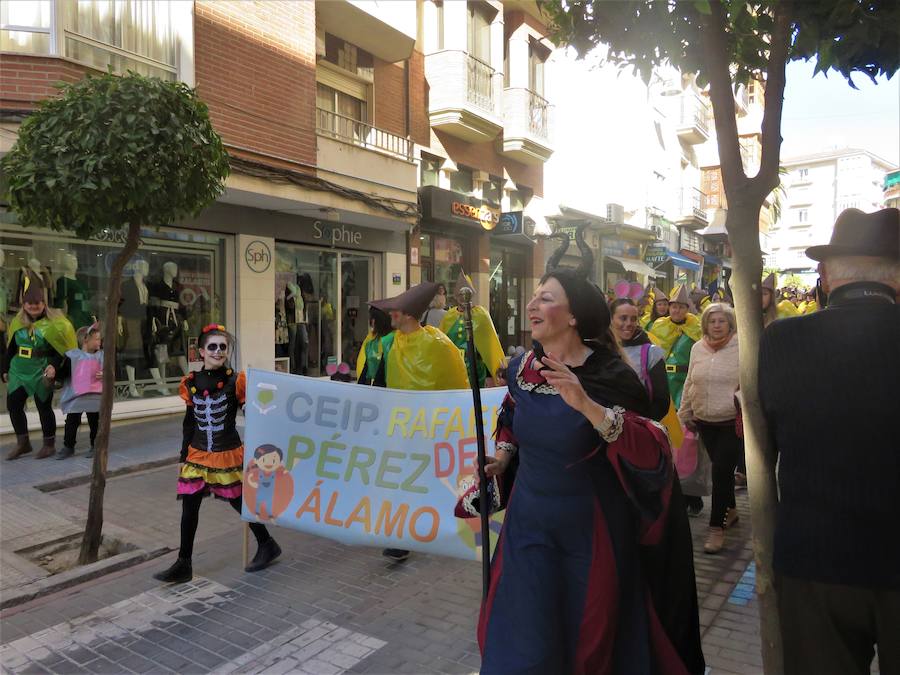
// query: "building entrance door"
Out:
[507,304]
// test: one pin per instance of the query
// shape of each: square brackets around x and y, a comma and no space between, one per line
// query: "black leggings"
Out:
[190,517]
[15,404]
[73,421]
[725,450]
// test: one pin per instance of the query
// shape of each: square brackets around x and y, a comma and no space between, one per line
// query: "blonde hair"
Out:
[712,309]
[49,312]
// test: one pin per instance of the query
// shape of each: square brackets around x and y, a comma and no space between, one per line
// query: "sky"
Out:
[600,123]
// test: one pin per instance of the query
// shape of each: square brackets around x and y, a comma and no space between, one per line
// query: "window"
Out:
[479,31]
[490,190]
[132,35]
[349,57]
[802,215]
[519,198]
[802,174]
[340,114]
[537,57]
[25,26]
[461,181]
[430,170]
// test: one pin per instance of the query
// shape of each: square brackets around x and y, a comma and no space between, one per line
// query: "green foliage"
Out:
[848,36]
[112,151]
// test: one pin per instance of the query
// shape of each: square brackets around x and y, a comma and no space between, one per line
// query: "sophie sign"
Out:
[258,256]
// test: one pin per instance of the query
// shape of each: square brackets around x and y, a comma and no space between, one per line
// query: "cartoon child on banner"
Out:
[268,487]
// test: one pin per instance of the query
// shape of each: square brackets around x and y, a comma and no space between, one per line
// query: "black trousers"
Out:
[725,450]
[73,421]
[830,629]
[190,517]
[15,404]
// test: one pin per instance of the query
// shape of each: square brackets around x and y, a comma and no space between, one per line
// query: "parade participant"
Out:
[837,553]
[809,305]
[419,357]
[660,308]
[676,334]
[647,360]
[82,374]
[773,310]
[707,406]
[488,350]
[437,310]
[212,453]
[370,362]
[38,337]
[581,583]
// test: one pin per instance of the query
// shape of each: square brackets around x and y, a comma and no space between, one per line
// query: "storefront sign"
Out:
[258,256]
[362,465]
[337,235]
[395,279]
[510,223]
[621,248]
[654,255]
[452,207]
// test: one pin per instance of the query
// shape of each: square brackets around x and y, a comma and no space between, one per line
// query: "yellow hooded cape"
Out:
[425,359]
[487,344]
[665,333]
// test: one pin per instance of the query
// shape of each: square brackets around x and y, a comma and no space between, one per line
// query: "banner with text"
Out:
[364,465]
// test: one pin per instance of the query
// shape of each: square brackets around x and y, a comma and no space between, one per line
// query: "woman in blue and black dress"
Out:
[593,572]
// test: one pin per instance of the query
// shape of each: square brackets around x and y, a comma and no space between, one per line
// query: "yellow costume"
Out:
[665,333]
[487,344]
[425,359]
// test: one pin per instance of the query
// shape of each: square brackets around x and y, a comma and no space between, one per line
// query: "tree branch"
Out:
[767,179]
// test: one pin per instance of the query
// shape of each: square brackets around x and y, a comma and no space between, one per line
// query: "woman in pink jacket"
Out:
[707,406]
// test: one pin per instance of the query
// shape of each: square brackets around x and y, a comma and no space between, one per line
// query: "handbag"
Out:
[693,465]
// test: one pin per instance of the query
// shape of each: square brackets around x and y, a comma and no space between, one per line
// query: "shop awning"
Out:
[631,265]
[682,261]
[712,260]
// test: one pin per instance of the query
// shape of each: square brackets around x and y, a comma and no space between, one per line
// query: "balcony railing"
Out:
[693,203]
[694,113]
[480,83]
[359,133]
[538,115]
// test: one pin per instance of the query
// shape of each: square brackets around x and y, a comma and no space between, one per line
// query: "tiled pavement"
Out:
[316,611]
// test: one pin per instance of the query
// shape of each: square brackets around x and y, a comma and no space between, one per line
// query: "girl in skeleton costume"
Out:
[212,453]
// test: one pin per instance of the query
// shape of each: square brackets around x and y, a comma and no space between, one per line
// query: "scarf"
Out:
[716,345]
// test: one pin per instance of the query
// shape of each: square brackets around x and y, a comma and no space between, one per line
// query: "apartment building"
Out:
[372,145]
[817,188]
[892,189]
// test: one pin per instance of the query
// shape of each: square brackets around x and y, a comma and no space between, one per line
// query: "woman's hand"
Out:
[50,372]
[565,382]
[494,466]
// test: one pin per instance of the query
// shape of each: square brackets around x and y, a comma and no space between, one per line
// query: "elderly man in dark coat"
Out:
[837,539]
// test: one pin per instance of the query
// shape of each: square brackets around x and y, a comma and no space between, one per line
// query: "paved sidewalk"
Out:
[324,608]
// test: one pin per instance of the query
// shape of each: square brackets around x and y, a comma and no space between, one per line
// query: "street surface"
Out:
[323,609]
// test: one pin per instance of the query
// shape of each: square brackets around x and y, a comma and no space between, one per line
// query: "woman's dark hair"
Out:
[618,302]
[654,315]
[213,329]
[381,321]
[586,302]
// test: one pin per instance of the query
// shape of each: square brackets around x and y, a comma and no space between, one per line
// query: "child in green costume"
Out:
[38,338]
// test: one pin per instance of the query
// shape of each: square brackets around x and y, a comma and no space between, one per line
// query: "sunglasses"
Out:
[216,346]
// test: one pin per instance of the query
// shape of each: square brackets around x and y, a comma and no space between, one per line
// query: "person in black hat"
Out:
[416,356]
[837,553]
[577,580]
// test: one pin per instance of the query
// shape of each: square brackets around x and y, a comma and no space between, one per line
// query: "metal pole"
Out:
[483,503]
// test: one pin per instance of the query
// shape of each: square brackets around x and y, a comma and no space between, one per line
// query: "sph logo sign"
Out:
[258,256]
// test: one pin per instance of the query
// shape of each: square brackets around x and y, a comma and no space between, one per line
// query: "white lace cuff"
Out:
[611,427]
[507,447]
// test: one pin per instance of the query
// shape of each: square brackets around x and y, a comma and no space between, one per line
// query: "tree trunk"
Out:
[93,529]
[742,223]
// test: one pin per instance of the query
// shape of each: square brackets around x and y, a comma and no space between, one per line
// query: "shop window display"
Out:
[172,287]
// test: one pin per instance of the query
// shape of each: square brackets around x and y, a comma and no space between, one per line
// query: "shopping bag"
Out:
[693,465]
[84,377]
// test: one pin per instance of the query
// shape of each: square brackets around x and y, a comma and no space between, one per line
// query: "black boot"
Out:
[178,573]
[265,554]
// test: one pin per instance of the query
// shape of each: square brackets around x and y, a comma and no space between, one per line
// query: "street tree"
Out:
[114,154]
[726,43]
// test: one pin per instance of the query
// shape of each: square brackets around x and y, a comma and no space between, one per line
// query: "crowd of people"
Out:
[593,571]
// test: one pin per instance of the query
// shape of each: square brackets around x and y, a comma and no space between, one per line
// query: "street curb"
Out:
[75,481]
[77,575]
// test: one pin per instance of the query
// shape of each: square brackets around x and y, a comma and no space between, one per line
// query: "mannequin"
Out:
[295,309]
[71,295]
[132,326]
[167,326]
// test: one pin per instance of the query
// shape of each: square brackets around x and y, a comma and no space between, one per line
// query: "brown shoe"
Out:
[23,447]
[48,449]
[731,518]
[715,540]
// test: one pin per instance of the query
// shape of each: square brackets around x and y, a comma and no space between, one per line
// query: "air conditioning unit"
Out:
[657,231]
